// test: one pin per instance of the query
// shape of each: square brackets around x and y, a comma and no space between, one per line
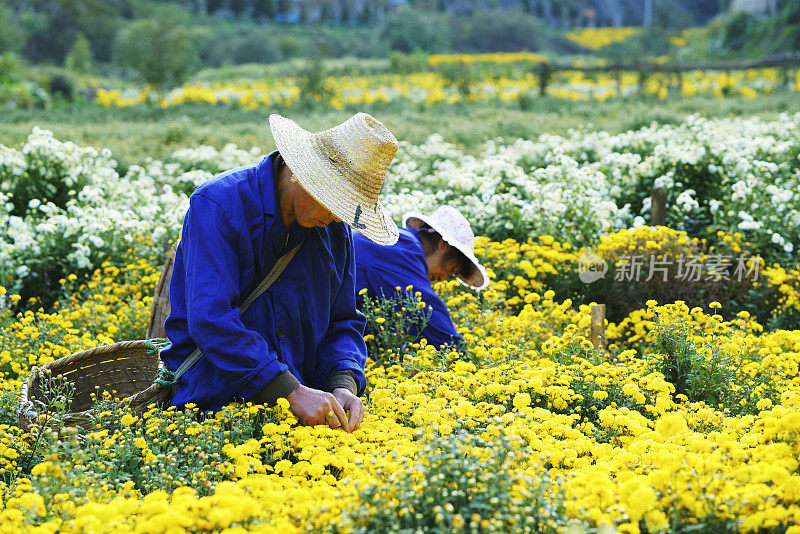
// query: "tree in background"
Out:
[780,32]
[265,9]
[79,58]
[12,32]
[255,46]
[406,29]
[59,21]
[499,31]
[159,49]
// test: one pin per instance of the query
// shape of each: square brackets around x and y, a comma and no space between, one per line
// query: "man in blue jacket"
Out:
[302,339]
[430,248]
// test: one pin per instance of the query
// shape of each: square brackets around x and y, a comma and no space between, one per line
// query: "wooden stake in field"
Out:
[597,334]
[658,206]
[544,78]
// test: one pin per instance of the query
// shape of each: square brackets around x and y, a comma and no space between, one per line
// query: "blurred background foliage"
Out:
[164,42]
[55,55]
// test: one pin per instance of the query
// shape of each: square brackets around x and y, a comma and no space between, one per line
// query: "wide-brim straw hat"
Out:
[456,231]
[343,169]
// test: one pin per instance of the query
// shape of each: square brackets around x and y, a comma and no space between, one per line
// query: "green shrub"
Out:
[12,33]
[742,34]
[79,58]
[707,373]
[290,45]
[256,46]
[60,83]
[392,323]
[24,95]
[8,407]
[774,300]
[57,393]
[181,453]
[526,101]
[662,253]
[401,63]
[159,51]
[12,67]
[313,83]
[499,31]
[735,30]
[460,76]
[18,88]
[407,29]
[461,483]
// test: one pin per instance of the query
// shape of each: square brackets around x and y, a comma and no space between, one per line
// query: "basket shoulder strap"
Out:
[273,275]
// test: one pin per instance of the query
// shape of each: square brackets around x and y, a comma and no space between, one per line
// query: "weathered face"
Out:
[438,268]
[308,212]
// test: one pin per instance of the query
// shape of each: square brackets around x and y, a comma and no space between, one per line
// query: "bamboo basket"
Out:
[128,369]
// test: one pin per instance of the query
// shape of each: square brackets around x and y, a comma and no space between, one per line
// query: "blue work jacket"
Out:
[306,322]
[382,269]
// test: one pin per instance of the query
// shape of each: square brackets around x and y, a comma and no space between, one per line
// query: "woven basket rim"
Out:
[26,408]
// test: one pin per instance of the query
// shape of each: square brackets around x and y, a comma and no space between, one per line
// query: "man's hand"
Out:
[315,407]
[350,403]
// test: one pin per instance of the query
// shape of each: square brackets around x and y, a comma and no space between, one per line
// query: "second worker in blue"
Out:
[430,248]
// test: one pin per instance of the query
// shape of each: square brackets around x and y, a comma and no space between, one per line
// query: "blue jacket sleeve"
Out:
[343,347]
[211,265]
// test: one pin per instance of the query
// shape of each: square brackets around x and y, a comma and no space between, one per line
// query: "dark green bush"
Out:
[401,63]
[735,31]
[159,51]
[498,31]
[61,84]
[12,34]
[290,45]
[256,47]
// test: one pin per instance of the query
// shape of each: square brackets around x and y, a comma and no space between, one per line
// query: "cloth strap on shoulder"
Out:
[273,275]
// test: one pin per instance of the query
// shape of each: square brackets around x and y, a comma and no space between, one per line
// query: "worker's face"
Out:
[309,212]
[438,268]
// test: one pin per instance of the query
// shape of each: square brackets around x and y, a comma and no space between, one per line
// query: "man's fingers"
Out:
[360,416]
[332,420]
[353,414]
[356,411]
[338,411]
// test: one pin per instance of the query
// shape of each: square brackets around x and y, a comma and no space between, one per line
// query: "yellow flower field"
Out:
[434,87]
[597,38]
[578,437]
[435,60]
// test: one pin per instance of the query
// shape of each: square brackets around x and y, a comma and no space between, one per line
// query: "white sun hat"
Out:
[456,231]
[343,169]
